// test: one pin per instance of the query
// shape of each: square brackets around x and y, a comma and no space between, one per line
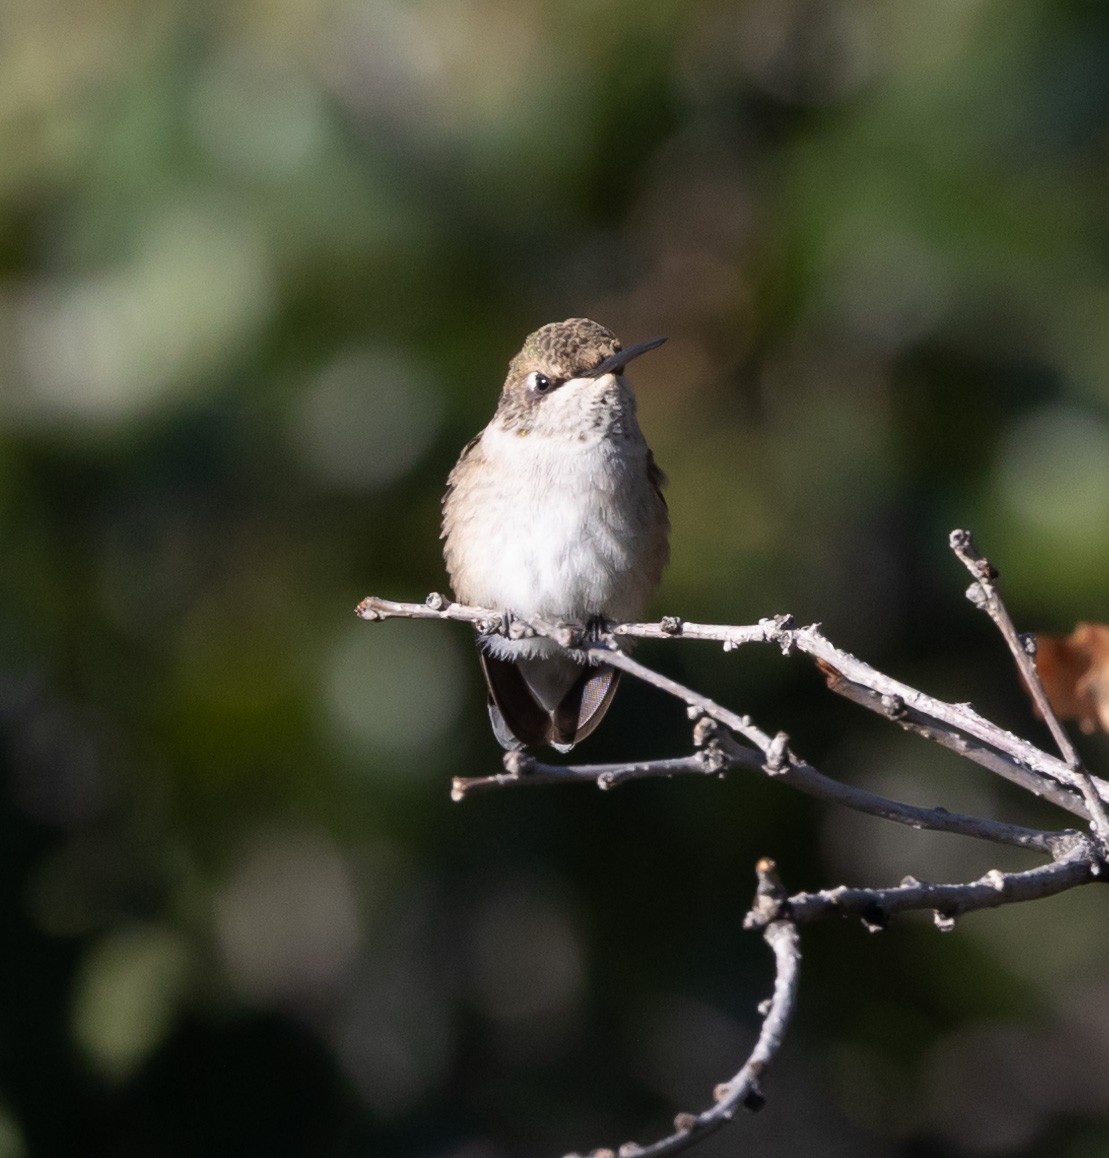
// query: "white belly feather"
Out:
[553,528]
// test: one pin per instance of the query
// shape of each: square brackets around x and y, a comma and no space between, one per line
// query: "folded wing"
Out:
[551,700]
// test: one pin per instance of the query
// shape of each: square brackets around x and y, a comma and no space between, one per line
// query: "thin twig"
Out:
[805,778]
[1001,763]
[1077,864]
[522,771]
[718,753]
[781,761]
[744,1089]
[436,606]
[812,642]
[983,593]
[700,704]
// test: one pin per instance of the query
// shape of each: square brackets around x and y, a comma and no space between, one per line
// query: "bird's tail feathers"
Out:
[546,701]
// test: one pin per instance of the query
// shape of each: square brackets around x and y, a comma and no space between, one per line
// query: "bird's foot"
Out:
[499,624]
[595,631]
[510,626]
[596,628]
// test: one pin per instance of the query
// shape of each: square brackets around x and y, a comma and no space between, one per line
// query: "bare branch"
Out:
[522,771]
[721,739]
[718,753]
[781,761]
[744,1089]
[436,606]
[1077,863]
[961,718]
[1014,758]
[983,594]
[803,776]
[895,709]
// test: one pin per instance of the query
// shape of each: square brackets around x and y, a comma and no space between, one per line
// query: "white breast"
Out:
[551,527]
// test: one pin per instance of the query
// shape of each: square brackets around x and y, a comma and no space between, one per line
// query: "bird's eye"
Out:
[540,383]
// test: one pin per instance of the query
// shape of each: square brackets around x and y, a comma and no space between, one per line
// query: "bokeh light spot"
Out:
[391,690]
[256,114]
[1053,471]
[526,956]
[287,919]
[127,993]
[108,345]
[367,420]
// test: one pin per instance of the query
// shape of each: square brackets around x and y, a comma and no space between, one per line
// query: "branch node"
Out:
[959,540]
[894,706]
[909,882]
[771,901]
[514,628]
[1028,642]
[518,763]
[776,754]
[962,543]
[875,919]
[670,625]
[436,601]
[755,1100]
[705,731]
[995,878]
[977,595]
[779,628]
[945,922]
[770,883]
[712,757]
[607,780]
[684,1122]
[629,1150]
[568,635]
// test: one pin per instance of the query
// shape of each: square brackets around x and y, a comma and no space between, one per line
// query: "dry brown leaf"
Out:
[1075,673]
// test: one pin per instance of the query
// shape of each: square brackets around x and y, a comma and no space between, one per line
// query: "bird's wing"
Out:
[655,476]
[467,450]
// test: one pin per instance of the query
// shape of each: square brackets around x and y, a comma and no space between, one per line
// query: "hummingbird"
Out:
[555,511]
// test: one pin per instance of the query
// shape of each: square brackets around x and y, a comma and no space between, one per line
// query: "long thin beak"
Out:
[614,363]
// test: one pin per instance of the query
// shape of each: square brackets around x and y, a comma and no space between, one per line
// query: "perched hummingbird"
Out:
[555,511]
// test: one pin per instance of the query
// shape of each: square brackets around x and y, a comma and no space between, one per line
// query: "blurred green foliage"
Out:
[262,267]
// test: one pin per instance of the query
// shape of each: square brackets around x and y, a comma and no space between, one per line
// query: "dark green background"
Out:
[262,267]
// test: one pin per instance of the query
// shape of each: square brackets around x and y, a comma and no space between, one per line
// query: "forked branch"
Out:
[983,593]
[726,741]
